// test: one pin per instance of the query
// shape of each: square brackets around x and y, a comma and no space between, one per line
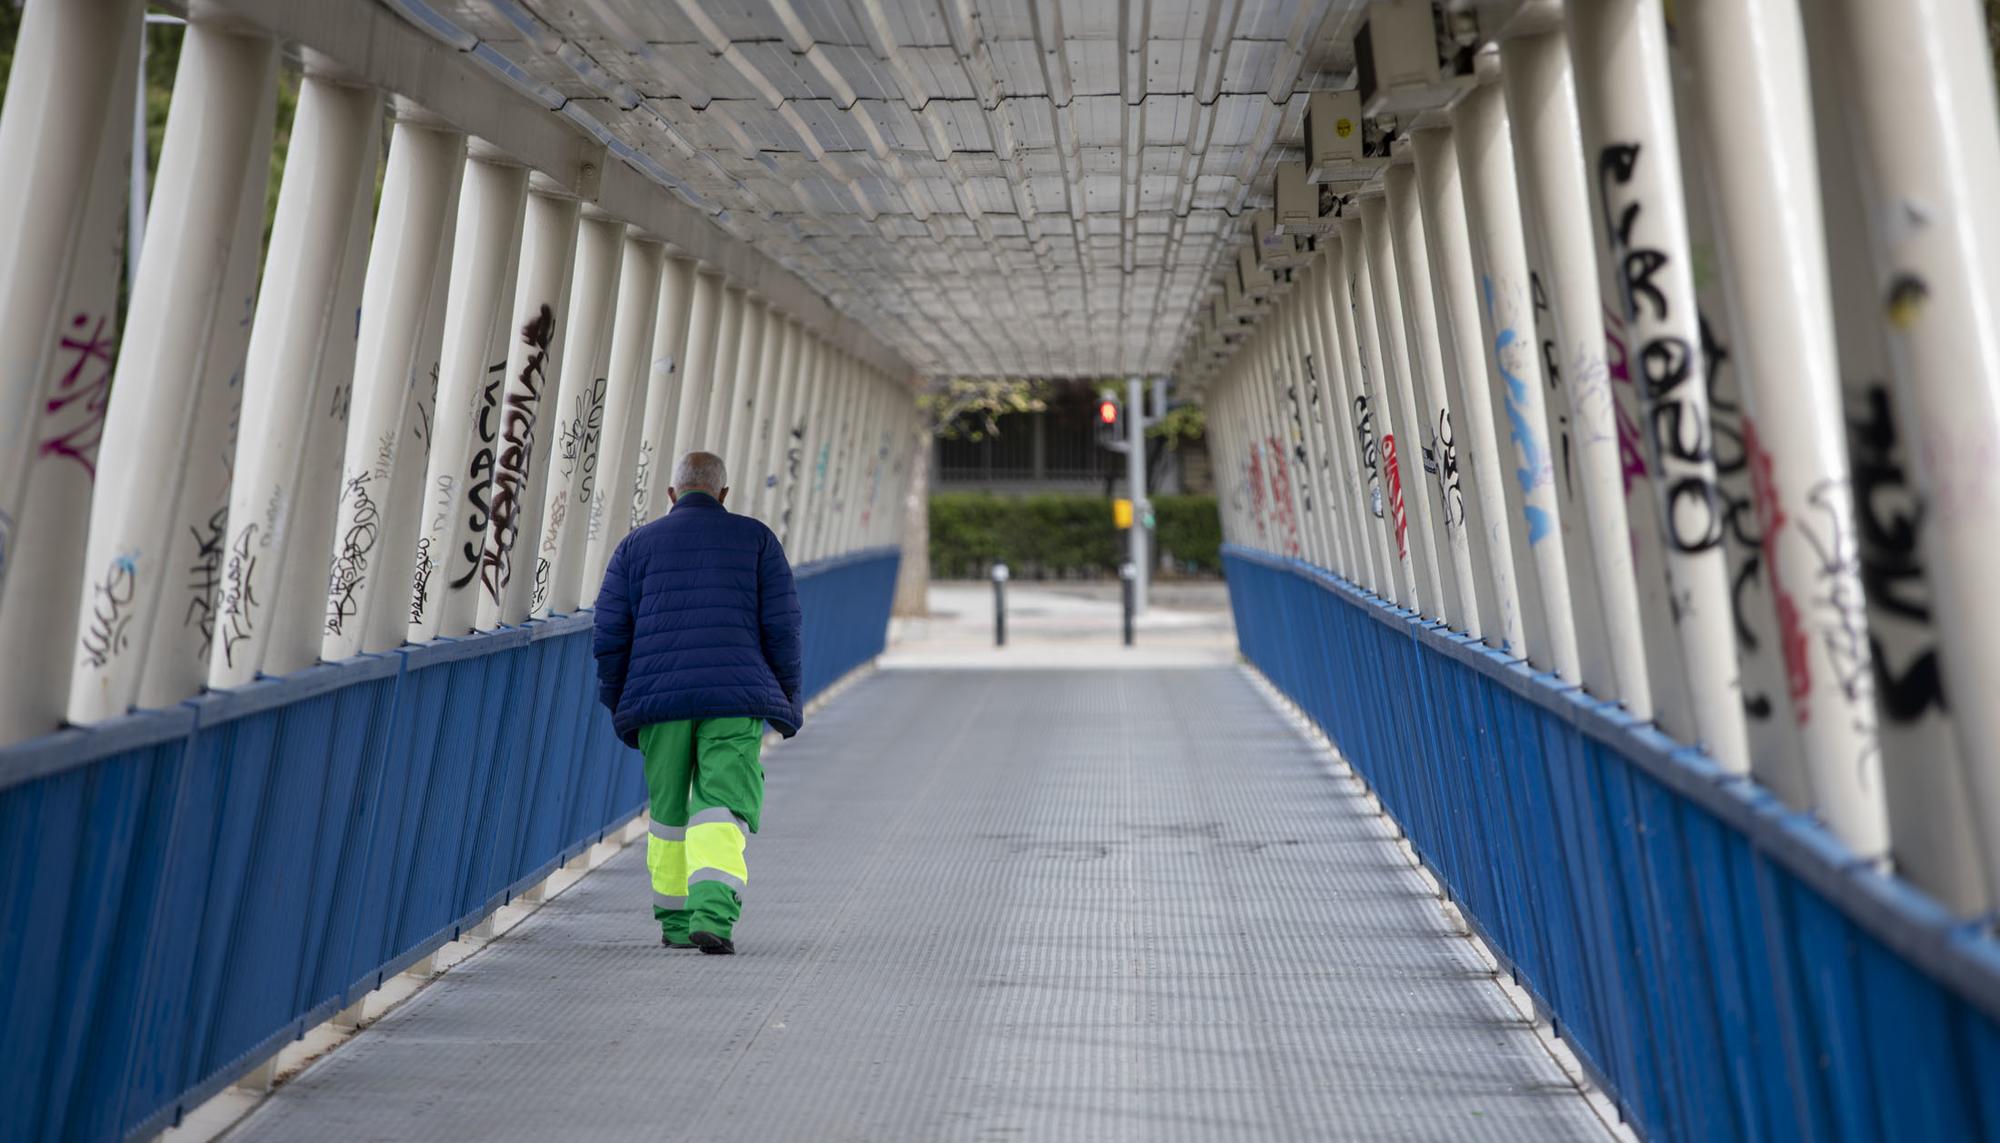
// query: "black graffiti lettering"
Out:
[239,594]
[348,572]
[1889,520]
[420,580]
[106,634]
[1905,697]
[515,458]
[1694,514]
[205,575]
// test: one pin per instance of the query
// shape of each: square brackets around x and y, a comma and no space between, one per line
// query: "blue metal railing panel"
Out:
[184,891]
[1721,963]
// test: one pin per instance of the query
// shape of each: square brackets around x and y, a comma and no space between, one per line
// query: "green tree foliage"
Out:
[971,407]
[1061,535]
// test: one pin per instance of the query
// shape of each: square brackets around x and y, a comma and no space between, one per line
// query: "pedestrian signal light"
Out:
[1121,513]
[1110,424]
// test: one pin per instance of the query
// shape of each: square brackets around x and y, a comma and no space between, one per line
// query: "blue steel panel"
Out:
[1726,969]
[184,890]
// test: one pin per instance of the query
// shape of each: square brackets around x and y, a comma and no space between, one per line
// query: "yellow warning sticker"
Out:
[1343,127]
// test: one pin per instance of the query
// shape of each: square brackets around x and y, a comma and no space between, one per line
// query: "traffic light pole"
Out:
[1135,480]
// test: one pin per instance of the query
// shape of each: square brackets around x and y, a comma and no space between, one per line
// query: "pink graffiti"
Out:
[1791,626]
[1631,452]
[1281,495]
[1257,486]
[89,395]
[1395,476]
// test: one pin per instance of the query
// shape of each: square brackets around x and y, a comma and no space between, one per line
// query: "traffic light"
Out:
[1110,423]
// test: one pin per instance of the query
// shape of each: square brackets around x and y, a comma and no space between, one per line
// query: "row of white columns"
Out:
[425,419]
[1670,365]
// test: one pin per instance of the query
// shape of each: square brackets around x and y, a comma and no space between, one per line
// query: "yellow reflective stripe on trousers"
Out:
[666,862]
[715,844]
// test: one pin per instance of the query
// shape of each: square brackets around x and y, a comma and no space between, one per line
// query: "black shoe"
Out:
[674,944]
[712,944]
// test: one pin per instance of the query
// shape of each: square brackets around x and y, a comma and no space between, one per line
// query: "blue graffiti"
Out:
[1520,429]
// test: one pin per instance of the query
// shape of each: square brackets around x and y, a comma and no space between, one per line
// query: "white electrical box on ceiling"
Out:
[1279,248]
[1407,60]
[1338,140]
[1257,281]
[1501,19]
[1303,207]
[1235,301]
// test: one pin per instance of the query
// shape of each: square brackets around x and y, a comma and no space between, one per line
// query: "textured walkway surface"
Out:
[995,906]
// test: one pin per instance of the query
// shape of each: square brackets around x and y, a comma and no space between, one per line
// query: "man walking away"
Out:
[697,647]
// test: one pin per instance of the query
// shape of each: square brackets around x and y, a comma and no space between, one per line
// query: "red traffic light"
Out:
[1107,411]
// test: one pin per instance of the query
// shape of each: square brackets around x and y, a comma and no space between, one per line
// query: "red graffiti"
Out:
[1395,476]
[1791,627]
[1281,495]
[1257,485]
[85,388]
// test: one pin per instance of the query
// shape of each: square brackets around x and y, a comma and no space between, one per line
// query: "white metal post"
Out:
[409,499]
[1489,525]
[652,467]
[1305,400]
[1926,136]
[576,417]
[1346,486]
[1514,380]
[777,352]
[67,95]
[1932,830]
[1357,424]
[818,488]
[1327,474]
[1776,752]
[774,424]
[847,457]
[625,407]
[1541,106]
[1761,189]
[881,422]
[1400,401]
[1444,486]
[541,297]
[735,326]
[799,444]
[412,237]
[732,433]
[296,384]
[854,473]
[181,328]
[1264,374]
[59,364]
[1135,487]
[1623,94]
[1281,374]
[699,380]
[1373,421]
[472,368]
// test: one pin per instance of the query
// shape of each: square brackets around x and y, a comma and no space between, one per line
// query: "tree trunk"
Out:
[913,578]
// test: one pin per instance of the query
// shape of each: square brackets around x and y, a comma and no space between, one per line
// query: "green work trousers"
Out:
[705,789]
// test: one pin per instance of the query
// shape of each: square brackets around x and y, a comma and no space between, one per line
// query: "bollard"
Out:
[1128,576]
[999,605]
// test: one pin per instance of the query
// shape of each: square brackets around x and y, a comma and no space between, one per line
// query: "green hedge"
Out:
[1057,535]
[1190,531]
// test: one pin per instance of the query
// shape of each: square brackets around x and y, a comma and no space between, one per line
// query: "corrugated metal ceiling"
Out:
[995,187]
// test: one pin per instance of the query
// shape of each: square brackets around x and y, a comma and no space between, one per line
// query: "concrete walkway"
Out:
[987,905]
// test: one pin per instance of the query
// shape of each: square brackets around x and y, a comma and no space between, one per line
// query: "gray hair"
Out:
[700,471]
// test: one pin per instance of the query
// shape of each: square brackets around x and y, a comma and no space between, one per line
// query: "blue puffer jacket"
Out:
[698,618]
